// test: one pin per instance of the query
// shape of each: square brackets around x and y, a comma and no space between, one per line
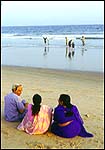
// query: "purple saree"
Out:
[75,128]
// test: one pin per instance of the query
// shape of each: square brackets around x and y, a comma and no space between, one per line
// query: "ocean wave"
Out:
[72,36]
[91,36]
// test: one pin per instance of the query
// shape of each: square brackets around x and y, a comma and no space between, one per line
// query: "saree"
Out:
[37,124]
[74,128]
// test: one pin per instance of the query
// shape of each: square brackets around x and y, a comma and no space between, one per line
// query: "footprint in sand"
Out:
[5,132]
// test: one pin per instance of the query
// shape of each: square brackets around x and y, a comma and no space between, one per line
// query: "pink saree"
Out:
[37,124]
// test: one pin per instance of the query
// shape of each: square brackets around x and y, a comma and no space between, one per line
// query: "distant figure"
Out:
[71,44]
[38,118]
[45,39]
[83,40]
[66,41]
[71,48]
[67,121]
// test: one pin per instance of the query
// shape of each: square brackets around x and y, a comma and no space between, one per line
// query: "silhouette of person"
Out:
[71,44]
[45,39]
[83,40]
[71,48]
[66,41]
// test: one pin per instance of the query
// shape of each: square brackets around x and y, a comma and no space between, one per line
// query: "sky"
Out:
[25,13]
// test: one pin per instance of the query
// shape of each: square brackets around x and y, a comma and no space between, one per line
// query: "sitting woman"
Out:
[38,118]
[67,120]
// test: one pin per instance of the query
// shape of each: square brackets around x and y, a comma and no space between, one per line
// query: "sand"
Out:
[86,90]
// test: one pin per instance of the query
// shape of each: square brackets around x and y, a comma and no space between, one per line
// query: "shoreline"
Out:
[86,90]
[51,69]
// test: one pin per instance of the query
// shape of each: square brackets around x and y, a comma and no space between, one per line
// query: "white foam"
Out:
[51,37]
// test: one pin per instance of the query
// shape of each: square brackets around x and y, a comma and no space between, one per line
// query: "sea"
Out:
[24,46]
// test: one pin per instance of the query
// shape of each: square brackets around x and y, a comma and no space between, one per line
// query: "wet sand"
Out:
[86,90]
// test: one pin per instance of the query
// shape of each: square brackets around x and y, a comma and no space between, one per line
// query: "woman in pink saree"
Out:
[38,118]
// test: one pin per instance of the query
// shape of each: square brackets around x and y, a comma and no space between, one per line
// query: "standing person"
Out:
[45,39]
[71,48]
[67,120]
[66,41]
[70,43]
[38,118]
[83,40]
[14,108]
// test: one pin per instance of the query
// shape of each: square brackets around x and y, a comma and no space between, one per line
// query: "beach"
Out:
[87,93]
[24,46]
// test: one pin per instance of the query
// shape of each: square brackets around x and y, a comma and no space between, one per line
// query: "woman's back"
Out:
[67,119]
[43,119]
[39,123]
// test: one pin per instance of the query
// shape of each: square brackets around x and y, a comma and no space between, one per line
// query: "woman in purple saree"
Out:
[67,120]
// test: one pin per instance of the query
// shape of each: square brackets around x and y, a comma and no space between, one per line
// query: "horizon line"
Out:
[51,25]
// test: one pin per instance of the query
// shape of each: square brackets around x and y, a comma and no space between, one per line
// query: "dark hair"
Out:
[70,43]
[66,102]
[36,101]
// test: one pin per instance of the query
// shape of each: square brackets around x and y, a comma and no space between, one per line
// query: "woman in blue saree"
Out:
[67,120]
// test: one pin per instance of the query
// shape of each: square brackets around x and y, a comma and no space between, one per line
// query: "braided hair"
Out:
[36,104]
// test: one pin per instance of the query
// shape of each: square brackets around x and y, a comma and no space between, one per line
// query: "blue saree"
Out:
[74,128]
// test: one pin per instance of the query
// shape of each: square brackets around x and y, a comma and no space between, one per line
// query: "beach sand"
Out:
[86,90]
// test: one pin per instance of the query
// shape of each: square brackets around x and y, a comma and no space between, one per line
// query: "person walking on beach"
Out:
[66,41]
[15,108]
[45,39]
[71,48]
[83,40]
[67,121]
[38,118]
[71,44]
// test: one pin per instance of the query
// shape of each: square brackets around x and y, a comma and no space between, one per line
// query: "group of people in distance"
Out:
[71,42]
[68,43]
[36,118]
[71,45]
